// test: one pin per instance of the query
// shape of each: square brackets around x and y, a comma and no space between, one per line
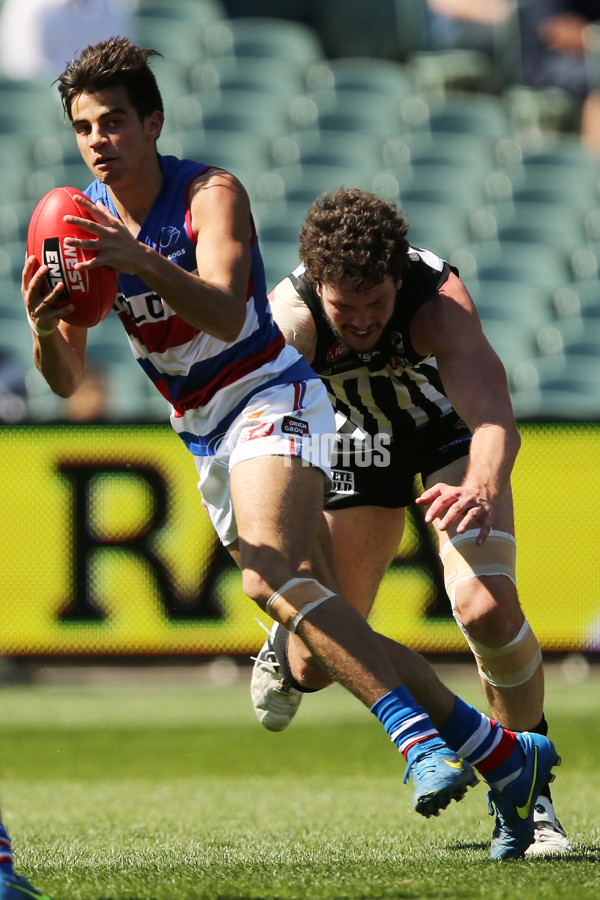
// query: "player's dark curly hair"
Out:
[115,62]
[353,235]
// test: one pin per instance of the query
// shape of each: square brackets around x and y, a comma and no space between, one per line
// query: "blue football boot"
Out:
[15,887]
[514,805]
[439,776]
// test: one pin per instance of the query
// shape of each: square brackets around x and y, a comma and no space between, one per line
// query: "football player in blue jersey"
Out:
[247,405]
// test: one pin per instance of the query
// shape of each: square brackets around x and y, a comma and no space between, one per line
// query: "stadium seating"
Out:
[517,263]
[554,225]
[280,258]
[329,148]
[483,167]
[366,76]
[263,75]
[435,226]
[346,112]
[263,37]
[459,113]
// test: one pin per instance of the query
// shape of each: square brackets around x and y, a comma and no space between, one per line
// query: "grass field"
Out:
[143,792]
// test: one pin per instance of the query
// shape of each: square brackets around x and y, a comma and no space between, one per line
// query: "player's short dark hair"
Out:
[116,62]
[353,235]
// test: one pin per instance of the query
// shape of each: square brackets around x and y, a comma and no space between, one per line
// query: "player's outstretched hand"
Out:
[457,504]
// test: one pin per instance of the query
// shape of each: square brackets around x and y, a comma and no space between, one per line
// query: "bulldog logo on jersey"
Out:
[169,235]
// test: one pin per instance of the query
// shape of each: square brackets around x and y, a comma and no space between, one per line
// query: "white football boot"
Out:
[548,836]
[275,701]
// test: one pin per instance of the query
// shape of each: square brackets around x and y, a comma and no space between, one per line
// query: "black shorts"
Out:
[385,475]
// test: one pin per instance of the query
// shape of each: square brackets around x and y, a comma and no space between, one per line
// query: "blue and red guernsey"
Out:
[207,381]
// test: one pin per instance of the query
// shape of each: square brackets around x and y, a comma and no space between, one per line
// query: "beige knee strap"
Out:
[511,665]
[462,558]
[296,599]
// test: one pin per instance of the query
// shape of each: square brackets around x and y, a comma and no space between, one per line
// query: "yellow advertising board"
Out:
[106,549]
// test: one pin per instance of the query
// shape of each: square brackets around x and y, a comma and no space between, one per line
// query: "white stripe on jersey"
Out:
[361,381]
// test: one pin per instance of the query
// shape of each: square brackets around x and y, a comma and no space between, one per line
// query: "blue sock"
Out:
[6,856]
[490,748]
[407,723]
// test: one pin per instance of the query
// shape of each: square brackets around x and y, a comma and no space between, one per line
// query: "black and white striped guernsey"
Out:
[390,389]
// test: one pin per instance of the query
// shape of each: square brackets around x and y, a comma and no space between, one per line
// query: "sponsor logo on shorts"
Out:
[259,431]
[255,415]
[297,427]
[343,482]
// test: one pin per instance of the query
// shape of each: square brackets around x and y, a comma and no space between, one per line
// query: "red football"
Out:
[92,291]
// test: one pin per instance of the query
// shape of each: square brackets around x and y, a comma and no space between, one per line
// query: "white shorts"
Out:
[292,420]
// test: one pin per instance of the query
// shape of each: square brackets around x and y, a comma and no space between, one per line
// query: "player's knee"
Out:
[295,599]
[490,618]
[465,561]
[486,611]
[256,587]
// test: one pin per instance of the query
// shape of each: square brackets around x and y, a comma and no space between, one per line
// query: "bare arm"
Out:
[58,348]
[448,326]
[294,318]
[214,299]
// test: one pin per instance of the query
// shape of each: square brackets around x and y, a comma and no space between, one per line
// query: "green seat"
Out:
[347,113]
[329,148]
[534,265]
[28,107]
[176,41]
[247,158]
[371,77]
[576,301]
[468,113]
[508,304]
[542,184]
[263,37]
[280,258]
[14,222]
[255,74]
[296,184]
[474,152]
[436,227]
[512,344]
[280,220]
[585,262]
[353,28]
[459,188]
[559,226]
[183,11]
[232,111]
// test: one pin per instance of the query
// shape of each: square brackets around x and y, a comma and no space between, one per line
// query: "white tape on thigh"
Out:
[462,558]
[511,665]
[296,599]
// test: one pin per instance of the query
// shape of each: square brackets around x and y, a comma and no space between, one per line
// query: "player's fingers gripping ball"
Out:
[91,291]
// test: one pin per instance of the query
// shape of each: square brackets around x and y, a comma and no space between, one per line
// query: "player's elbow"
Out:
[232,324]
